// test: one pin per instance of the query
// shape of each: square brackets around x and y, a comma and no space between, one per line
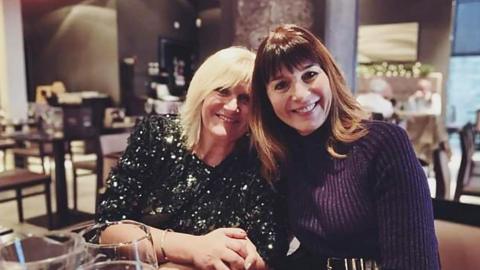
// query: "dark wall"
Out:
[75,43]
[434,17]
[142,22]
[81,42]
[208,34]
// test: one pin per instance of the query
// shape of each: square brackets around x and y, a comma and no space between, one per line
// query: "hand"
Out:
[221,249]
[174,266]
[253,261]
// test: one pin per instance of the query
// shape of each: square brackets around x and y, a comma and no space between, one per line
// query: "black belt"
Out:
[351,264]
[304,260]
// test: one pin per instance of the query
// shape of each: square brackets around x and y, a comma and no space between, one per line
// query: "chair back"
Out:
[468,148]
[457,227]
[110,148]
[458,245]
[113,143]
[78,123]
[377,116]
[442,173]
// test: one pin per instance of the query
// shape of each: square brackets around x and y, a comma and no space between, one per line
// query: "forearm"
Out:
[173,244]
[174,266]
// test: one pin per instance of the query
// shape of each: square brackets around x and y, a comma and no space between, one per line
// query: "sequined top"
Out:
[159,182]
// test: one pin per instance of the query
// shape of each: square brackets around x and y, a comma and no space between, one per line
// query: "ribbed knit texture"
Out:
[374,203]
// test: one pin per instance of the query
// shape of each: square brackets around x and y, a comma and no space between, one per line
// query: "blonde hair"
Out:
[288,46]
[224,69]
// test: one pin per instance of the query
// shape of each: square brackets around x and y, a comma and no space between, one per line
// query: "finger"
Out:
[235,233]
[219,265]
[233,260]
[239,246]
[250,260]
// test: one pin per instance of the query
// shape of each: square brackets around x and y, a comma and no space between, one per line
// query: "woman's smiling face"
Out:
[225,113]
[301,98]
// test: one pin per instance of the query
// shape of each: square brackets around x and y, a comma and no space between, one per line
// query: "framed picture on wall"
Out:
[177,59]
[397,42]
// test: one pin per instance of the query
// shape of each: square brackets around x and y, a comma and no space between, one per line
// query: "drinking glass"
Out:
[50,251]
[124,240]
[117,265]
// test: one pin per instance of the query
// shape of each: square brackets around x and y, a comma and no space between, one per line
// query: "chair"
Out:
[4,145]
[442,173]
[78,127]
[377,116]
[458,250]
[109,149]
[112,147]
[467,184]
[19,179]
[457,227]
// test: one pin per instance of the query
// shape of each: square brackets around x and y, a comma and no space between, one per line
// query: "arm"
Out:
[217,249]
[404,209]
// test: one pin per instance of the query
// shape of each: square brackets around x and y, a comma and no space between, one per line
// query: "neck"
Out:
[213,151]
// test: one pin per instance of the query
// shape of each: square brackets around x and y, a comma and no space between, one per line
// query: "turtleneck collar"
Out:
[315,139]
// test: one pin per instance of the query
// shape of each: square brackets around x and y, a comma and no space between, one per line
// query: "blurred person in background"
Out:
[425,100]
[375,101]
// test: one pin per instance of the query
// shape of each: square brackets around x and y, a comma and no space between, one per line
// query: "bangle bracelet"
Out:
[162,242]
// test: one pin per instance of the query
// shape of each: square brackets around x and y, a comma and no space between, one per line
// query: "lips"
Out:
[227,119]
[306,109]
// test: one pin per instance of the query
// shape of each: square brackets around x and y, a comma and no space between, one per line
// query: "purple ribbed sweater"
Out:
[374,203]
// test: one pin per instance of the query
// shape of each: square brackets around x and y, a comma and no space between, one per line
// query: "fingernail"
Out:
[247,265]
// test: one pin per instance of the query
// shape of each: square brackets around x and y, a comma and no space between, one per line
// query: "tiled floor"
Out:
[35,206]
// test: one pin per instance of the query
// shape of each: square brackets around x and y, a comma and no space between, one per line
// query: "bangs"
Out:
[289,54]
[233,75]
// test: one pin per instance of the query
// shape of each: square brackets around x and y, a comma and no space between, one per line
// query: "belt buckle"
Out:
[351,264]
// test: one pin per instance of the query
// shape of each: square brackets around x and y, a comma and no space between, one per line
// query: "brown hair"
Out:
[288,46]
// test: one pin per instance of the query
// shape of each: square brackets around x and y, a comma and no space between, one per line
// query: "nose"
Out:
[300,91]
[232,105]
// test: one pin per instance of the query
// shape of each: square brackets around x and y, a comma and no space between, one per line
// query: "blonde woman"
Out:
[356,192]
[196,176]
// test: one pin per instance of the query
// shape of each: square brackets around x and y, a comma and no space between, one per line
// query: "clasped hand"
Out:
[224,249]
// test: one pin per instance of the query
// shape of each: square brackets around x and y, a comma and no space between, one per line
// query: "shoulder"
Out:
[383,137]
[384,132]
[389,143]
[160,122]
[157,130]
[159,125]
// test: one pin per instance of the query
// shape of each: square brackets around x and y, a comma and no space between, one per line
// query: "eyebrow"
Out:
[309,66]
[302,68]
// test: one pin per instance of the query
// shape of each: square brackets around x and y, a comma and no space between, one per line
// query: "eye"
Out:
[243,98]
[224,92]
[280,85]
[309,75]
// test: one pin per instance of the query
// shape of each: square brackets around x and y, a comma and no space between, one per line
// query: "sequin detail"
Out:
[159,182]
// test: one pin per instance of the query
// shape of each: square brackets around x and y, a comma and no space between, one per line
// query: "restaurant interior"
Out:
[77,75]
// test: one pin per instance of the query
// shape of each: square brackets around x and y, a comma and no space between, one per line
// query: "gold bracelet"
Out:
[162,242]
